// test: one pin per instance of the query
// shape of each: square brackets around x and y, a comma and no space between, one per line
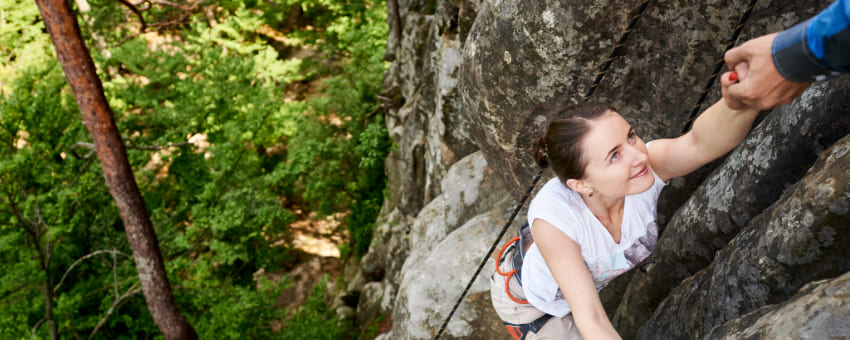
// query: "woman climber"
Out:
[596,219]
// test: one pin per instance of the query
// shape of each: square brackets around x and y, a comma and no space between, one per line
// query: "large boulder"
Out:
[428,293]
[469,188]
[523,54]
[804,236]
[777,154]
[818,311]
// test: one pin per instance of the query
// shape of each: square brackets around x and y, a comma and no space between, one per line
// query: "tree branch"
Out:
[72,328]
[86,257]
[127,145]
[133,290]
[48,246]
[138,13]
[106,287]
[18,213]
[82,145]
[156,146]
[187,10]
[35,328]
[13,290]
[115,272]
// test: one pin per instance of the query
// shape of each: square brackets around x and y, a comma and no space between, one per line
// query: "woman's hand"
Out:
[759,86]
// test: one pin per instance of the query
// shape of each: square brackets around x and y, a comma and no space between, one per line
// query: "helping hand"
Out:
[759,84]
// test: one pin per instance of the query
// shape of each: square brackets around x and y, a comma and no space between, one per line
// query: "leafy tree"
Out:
[77,63]
[220,143]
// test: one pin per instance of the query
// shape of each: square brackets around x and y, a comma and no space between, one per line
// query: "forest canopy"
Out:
[239,117]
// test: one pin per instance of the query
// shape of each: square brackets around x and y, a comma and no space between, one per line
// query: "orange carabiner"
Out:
[508,274]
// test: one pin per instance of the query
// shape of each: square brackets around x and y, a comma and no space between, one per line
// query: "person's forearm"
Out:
[816,48]
[596,326]
[720,129]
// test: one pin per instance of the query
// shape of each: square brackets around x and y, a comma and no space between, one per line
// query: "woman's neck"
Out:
[609,212]
[604,207]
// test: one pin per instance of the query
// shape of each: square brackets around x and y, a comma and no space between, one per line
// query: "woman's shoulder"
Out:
[556,191]
[554,202]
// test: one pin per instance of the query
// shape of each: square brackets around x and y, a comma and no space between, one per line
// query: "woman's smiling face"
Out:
[617,162]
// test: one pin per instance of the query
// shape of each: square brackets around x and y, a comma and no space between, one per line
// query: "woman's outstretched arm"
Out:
[717,131]
[563,257]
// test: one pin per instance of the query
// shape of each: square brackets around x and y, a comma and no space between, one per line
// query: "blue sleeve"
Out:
[816,48]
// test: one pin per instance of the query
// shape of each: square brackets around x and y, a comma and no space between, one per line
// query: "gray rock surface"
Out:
[819,311]
[427,127]
[777,153]
[470,188]
[804,236]
[520,55]
[428,293]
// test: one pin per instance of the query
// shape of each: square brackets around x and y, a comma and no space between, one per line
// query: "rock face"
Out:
[428,292]
[804,236]
[777,153]
[415,274]
[474,82]
[469,189]
[428,128]
[818,311]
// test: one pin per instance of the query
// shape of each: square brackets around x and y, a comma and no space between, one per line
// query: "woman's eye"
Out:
[615,156]
[632,137]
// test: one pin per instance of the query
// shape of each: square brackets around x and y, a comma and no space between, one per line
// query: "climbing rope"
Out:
[617,48]
[601,74]
[718,66]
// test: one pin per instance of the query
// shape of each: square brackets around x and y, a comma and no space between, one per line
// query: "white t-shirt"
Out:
[562,207]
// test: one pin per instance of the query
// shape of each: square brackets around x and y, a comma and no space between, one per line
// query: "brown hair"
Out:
[560,146]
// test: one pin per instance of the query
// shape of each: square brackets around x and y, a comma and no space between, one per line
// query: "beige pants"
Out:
[516,313]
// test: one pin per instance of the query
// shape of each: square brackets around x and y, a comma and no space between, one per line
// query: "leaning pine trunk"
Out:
[98,118]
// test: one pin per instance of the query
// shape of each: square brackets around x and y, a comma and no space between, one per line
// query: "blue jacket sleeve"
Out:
[817,48]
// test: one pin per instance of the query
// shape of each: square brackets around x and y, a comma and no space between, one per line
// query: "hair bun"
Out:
[540,152]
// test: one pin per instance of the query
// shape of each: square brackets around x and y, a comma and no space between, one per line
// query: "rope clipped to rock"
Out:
[601,74]
[718,66]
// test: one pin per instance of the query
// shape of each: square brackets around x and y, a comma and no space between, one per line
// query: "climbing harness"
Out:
[520,245]
[513,273]
[517,247]
[518,331]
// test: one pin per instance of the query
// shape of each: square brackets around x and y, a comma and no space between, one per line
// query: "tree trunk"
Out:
[98,118]
[48,310]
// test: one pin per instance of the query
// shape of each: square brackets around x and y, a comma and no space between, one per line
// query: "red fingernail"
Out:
[733,76]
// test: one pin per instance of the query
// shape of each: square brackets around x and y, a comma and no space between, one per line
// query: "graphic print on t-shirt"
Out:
[604,271]
[643,246]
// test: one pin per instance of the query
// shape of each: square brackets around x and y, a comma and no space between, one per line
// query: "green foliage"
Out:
[337,155]
[316,320]
[220,147]
[373,328]
[223,310]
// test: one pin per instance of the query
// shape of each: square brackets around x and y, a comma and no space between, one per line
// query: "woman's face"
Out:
[617,160]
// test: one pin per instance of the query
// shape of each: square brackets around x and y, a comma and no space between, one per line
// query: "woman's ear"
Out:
[579,186]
